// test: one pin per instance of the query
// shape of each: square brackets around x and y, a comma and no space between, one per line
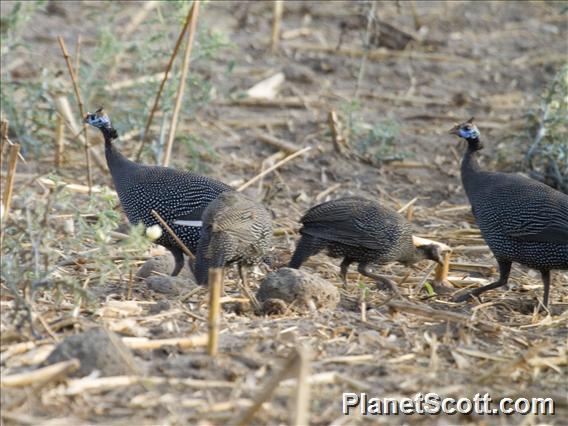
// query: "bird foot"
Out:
[464,297]
[383,286]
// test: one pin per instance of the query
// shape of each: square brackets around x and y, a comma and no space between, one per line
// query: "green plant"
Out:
[378,142]
[547,155]
[40,258]
[194,147]
[28,105]
[49,252]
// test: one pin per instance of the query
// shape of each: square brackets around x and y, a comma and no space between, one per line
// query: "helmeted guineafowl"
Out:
[521,220]
[178,197]
[362,231]
[235,229]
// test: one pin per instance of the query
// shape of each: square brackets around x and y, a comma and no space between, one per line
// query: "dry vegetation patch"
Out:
[361,95]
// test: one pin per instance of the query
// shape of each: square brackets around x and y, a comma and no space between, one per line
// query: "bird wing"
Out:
[228,219]
[353,221]
[333,232]
[546,235]
[336,210]
[540,212]
[550,224]
[191,219]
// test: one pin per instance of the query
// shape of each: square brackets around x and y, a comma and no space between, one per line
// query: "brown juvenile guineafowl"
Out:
[362,231]
[179,197]
[235,229]
[521,219]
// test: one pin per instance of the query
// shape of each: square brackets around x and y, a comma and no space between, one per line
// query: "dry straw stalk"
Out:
[215,286]
[183,77]
[163,82]
[81,108]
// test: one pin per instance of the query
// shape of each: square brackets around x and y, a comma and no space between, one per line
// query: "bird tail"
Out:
[211,253]
[307,246]
[201,267]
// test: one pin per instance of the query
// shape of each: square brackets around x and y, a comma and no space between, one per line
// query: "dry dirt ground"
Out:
[491,60]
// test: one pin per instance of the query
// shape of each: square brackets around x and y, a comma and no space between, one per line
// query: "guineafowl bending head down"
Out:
[236,229]
[522,220]
[360,231]
[178,197]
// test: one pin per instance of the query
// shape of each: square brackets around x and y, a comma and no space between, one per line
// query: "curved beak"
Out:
[455,130]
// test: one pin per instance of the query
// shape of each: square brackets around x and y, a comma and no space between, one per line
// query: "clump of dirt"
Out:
[96,349]
[163,265]
[302,289]
[274,307]
[156,274]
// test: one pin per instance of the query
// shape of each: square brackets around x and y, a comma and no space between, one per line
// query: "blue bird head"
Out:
[101,121]
[466,130]
[98,119]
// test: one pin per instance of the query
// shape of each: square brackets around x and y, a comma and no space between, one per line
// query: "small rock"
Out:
[299,74]
[96,349]
[166,284]
[161,305]
[162,265]
[161,284]
[304,290]
[274,307]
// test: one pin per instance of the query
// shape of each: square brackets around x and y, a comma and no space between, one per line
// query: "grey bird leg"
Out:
[546,282]
[178,258]
[504,270]
[344,267]
[363,269]
[243,273]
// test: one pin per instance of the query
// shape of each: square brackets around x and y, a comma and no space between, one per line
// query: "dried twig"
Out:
[379,54]
[59,128]
[137,19]
[215,287]
[270,169]
[278,9]
[284,145]
[435,314]
[182,79]
[5,139]
[327,191]
[41,375]
[407,205]
[370,21]
[78,54]
[415,17]
[173,235]
[301,411]
[283,102]
[339,141]
[180,342]
[81,108]
[74,187]
[267,390]
[101,384]
[161,88]
[11,175]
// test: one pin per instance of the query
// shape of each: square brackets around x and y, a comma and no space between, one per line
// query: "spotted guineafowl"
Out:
[521,220]
[236,229]
[179,197]
[362,231]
